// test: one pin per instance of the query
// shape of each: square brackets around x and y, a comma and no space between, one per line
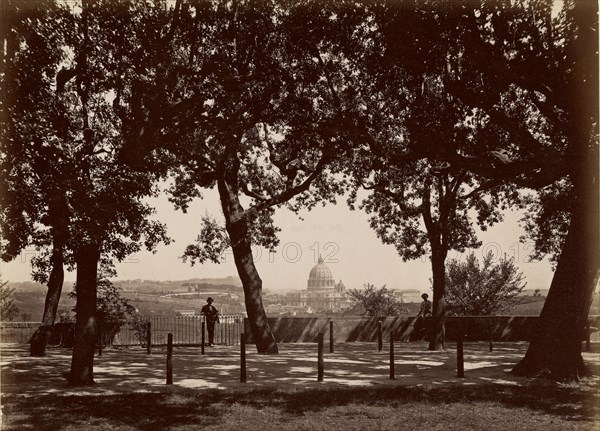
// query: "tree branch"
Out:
[250,193]
[293,191]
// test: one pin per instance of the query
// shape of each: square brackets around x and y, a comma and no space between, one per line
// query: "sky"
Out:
[348,245]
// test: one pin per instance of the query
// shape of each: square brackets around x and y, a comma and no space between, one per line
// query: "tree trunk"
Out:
[237,228]
[555,349]
[437,329]
[40,338]
[82,363]
[58,212]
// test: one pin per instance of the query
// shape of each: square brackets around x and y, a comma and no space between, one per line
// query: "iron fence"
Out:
[186,330]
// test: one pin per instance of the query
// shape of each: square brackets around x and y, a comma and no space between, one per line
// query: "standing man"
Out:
[212,316]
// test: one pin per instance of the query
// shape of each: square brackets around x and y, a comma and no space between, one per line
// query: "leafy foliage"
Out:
[8,310]
[60,167]
[489,288]
[548,218]
[374,302]
[111,306]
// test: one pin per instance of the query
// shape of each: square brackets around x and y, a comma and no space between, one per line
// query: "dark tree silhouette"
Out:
[64,184]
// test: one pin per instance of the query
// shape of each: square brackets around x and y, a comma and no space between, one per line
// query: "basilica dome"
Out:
[320,276]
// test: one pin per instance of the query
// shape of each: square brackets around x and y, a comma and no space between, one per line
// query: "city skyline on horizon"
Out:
[349,247]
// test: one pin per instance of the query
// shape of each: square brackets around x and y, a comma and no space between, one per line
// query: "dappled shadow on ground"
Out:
[131,384]
[352,364]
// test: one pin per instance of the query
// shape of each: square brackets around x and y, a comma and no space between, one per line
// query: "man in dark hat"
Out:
[212,316]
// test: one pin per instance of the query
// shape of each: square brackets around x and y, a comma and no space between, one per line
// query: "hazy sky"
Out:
[350,248]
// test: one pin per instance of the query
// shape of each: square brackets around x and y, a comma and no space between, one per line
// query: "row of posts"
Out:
[320,355]
[460,367]
[379,338]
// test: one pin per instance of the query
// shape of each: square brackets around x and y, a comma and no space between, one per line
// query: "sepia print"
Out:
[299,214]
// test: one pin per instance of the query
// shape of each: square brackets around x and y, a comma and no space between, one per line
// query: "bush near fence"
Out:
[350,329]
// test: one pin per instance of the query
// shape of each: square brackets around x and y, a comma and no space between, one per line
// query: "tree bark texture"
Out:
[239,235]
[437,332]
[82,363]
[437,232]
[555,349]
[39,340]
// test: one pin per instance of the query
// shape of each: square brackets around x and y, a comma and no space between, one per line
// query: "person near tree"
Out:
[211,315]
[421,322]
[426,307]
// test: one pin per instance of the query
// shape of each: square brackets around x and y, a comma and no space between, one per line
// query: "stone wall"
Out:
[349,329]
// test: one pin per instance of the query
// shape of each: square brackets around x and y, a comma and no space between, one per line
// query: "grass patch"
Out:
[540,405]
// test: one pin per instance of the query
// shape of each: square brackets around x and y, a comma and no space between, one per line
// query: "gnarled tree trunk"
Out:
[239,235]
[40,338]
[555,350]
[82,363]
[59,219]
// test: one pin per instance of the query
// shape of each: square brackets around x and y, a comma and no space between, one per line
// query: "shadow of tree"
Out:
[34,390]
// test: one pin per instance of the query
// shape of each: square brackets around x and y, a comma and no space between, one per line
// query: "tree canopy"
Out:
[376,302]
[483,289]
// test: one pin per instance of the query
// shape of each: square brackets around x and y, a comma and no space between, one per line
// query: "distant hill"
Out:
[146,295]
[179,286]
[142,286]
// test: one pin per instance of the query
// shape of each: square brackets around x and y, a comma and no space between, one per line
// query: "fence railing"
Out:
[186,330]
[17,332]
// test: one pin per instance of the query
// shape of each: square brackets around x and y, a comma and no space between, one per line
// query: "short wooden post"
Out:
[460,363]
[202,336]
[149,338]
[99,337]
[169,359]
[392,363]
[491,338]
[588,344]
[379,336]
[320,365]
[330,336]
[242,358]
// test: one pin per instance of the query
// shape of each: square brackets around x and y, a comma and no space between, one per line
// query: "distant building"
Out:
[408,295]
[186,312]
[322,293]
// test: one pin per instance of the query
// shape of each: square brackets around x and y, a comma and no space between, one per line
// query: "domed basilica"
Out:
[322,293]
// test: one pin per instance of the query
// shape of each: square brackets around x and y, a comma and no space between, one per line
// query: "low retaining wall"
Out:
[348,329]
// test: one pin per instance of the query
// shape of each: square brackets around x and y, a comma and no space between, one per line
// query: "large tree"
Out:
[549,128]
[67,149]
[254,111]
[33,192]
[487,56]
[555,348]
[419,203]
